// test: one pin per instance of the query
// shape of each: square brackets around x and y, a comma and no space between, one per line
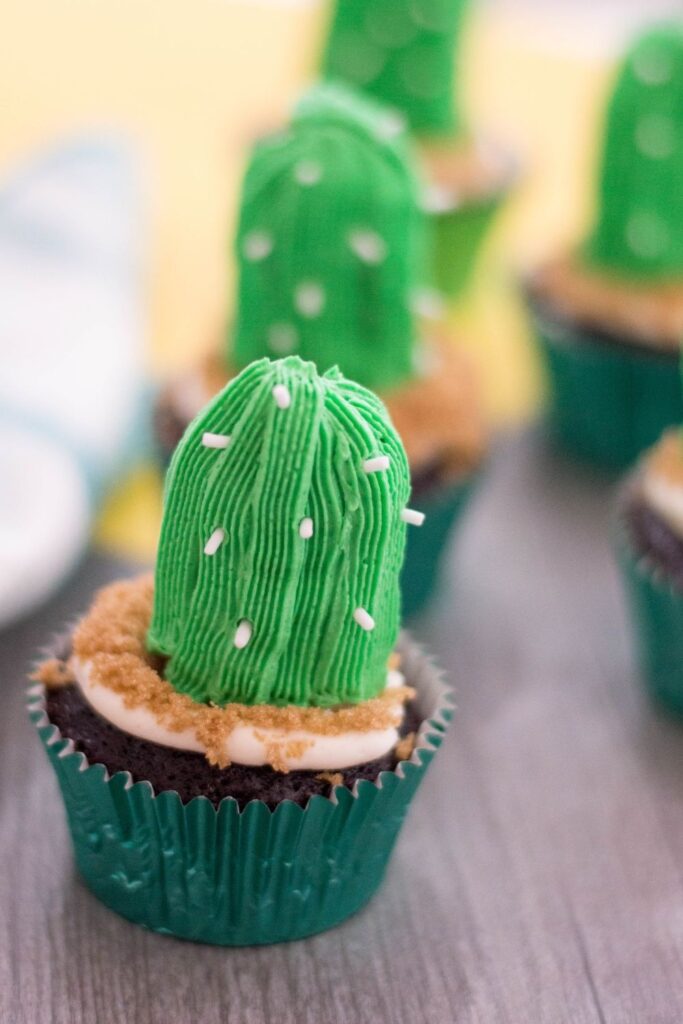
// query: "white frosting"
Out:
[665,498]
[246,744]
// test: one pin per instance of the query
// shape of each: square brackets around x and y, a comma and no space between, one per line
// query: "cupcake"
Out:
[609,316]
[650,546]
[328,249]
[407,54]
[237,740]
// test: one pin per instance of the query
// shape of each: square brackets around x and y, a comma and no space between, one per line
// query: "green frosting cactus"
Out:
[329,243]
[639,229]
[403,52]
[277,577]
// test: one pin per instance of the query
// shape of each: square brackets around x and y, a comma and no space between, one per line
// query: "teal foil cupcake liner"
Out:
[231,877]
[425,544]
[456,236]
[656,608]
[609,401]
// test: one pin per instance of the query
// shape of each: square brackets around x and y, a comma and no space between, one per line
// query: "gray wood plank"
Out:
[540,875]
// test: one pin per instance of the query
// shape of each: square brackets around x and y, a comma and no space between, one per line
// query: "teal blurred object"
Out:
[456,237]
[72,393]
[609,399]
[426,543]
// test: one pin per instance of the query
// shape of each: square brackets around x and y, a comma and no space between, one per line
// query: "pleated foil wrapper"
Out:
[227,876]
[656,607]
[609,400]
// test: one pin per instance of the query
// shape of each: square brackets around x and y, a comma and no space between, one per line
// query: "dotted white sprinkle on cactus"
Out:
[412,516]
[368,246]
[390,126]
[364,619]
[282,397]
[257,246]
[647,235]
[309,299]
[652,68]
[214,542]
[210,440]
[378,464]
[308,173]
[656,136]
[306,528]
[282,338]
[243,634]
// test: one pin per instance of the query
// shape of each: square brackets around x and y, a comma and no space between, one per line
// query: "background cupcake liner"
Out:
[443,511]
[608,402]
[656,607]
[455,239]
[231,877]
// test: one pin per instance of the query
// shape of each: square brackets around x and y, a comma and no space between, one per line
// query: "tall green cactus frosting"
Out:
[639,229]
[277,577]
[403,52]
[329,242]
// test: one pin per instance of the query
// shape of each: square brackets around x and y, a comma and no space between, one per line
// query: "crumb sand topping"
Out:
[651,314]
[111,638]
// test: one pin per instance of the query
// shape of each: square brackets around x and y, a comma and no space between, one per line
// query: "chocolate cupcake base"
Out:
[238,875]
[610,397]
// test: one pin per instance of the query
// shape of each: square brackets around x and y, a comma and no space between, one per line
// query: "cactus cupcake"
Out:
[329,250]
[610,316]
[650,547]
[408,55]
[237,740]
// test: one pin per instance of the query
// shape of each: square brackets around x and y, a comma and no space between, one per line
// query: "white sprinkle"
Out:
[282,338]
[214,542]
[412,516]
[656,136]
[427,303]
[376,465]
[257,245]
[390,125]
[368,246]
[243,634]
[306,528]
[364,619]
[652,68]
[215,440]
[282,397]
[309,299]
[308,172]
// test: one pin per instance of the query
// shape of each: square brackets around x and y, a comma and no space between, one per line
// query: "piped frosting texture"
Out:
[276,612]
[639,226]
[329,243]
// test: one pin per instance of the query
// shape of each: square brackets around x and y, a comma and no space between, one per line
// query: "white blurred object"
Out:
[71,336]
[44,518]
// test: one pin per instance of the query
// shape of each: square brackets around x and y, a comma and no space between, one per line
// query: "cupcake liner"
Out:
[236,877]
[420,574]
[656,607]
[609,401]
[456,237]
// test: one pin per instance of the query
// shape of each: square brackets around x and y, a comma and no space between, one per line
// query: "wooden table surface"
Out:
[539,879]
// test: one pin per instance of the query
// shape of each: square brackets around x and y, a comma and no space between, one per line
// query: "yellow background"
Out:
[192,81]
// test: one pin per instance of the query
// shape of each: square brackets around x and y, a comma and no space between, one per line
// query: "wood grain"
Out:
[540,876]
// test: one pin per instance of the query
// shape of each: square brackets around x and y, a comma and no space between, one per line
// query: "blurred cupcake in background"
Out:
[329,250]
[237,741]
[609,316]
[650,545]
[408,54]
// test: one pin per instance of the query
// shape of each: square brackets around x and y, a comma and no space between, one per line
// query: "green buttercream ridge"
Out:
[329,243]
[639,228]
[282,465]
[403,52]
